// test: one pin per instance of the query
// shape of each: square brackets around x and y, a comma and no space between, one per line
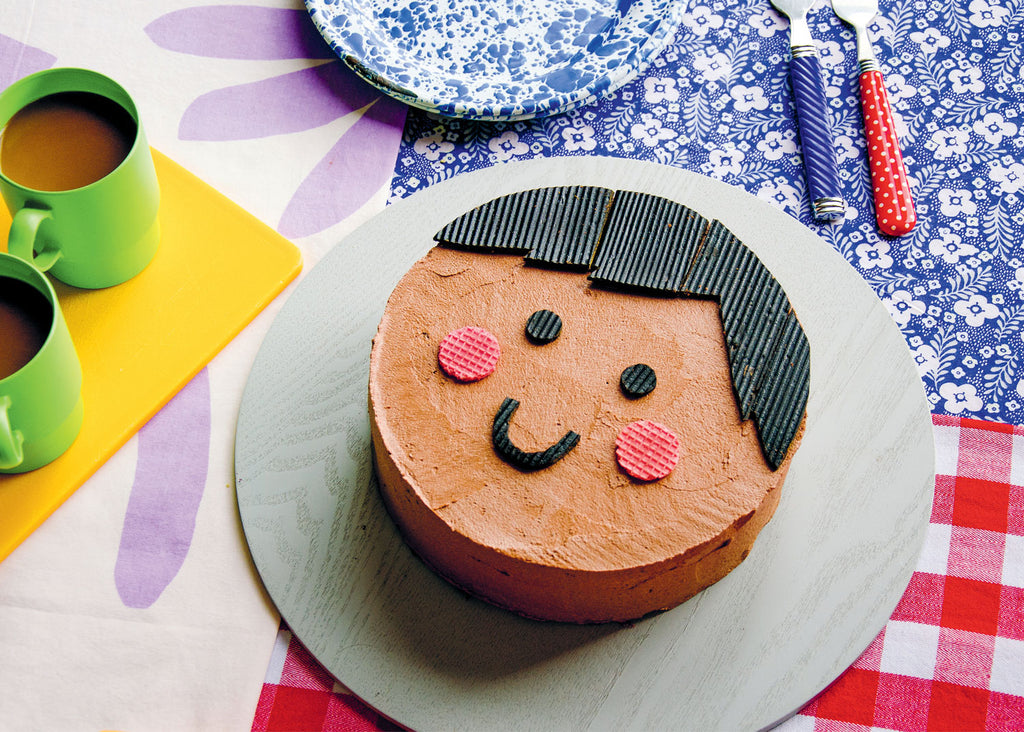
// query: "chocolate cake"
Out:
[584,403]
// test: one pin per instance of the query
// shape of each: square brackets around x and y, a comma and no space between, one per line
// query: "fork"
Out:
[813,124]
[894,204]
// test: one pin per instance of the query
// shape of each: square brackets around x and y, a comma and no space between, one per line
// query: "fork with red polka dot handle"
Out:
[894,204]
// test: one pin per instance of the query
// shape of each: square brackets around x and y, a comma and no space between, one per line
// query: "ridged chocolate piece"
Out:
[543,327]
[637,240]
[520,458]
[648,243]
[751,313]
[781,400]
[557,226]
[638,380]
[768,351]
[711,265]
[751,302]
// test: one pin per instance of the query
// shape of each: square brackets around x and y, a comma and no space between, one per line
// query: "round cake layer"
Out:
[581,540]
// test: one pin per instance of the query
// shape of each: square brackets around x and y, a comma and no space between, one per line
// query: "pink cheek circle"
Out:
[647,450]
[469,354]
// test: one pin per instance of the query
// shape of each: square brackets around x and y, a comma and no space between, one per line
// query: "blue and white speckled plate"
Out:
[497,59]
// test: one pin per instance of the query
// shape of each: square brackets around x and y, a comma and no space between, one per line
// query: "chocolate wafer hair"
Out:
[650,244]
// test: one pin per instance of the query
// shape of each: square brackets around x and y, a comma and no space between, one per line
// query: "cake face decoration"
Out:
[543,327]
[637,380]
[559,226]
[521,459]
[469,354]
[647,450]
[636,241]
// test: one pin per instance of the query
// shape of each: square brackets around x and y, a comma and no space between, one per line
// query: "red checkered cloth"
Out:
[300,695]
[950,658]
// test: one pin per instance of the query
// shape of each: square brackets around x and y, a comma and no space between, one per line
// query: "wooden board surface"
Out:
[140,342]
[820,583]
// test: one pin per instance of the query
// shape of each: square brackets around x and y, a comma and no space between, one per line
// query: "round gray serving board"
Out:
[820,583]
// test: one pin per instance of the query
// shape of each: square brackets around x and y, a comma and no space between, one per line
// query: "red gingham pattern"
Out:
[951,656]
[298,694]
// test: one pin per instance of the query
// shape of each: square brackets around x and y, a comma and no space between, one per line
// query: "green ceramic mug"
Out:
[41,401]
[93,231]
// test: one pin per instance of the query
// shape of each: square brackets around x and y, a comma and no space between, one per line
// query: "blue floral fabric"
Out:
[718,101]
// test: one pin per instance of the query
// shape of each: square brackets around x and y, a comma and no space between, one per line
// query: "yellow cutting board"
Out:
[142,341]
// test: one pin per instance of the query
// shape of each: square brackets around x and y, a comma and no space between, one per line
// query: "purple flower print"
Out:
[239,32]
[18,60]
[362,160]
[172,465]
[264,108]
[170,479]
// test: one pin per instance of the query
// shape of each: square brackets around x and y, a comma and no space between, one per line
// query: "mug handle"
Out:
[22,239]
[11,441]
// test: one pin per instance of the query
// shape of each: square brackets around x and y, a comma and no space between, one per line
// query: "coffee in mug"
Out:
[25,319]
[41,406]
[78,177]
[65,141]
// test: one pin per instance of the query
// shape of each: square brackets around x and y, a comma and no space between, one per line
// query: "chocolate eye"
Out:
[543,327]
[638,380]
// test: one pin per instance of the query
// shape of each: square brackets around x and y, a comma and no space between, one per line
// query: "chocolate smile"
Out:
[520,458]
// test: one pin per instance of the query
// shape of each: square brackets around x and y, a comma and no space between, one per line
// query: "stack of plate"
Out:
[497,59]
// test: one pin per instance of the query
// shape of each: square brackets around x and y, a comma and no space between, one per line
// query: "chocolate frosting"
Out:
[580,540]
